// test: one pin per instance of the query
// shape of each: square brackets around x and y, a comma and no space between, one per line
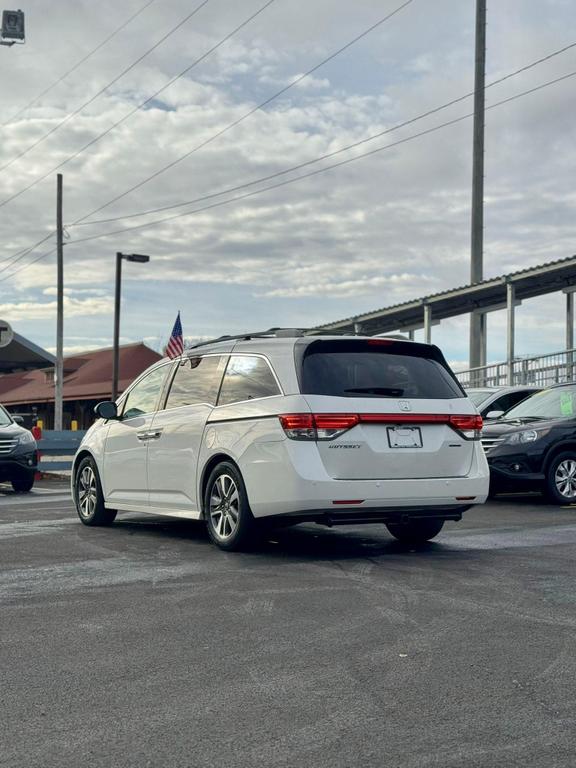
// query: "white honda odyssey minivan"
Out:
[286,428]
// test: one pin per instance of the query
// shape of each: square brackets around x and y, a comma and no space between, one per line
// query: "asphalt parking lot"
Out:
[143,645]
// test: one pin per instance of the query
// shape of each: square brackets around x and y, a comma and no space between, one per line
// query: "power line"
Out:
[229,190]
[15,257]
[102,90]
[249,113]
[328,155]
[79,63]
[308,175]
[139,107]
[239,198]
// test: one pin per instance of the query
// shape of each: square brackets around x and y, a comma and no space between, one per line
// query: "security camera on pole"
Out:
[12,31]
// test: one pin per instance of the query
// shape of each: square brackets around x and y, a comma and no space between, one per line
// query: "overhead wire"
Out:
[283,90]
[140,106]
[246,115]
[229,190]
[326,156]
[341,163]
[79,63]
[93,98]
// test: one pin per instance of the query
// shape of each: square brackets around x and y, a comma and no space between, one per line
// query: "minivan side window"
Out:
[196,380]
[247,378]
[143,398]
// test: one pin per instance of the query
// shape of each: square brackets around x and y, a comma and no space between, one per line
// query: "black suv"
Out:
[18,454]
[533,446]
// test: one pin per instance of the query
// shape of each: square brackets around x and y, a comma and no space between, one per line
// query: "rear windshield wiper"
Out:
[381,391]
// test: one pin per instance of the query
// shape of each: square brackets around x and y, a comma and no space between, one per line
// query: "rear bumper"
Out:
[362,515]
[288,478]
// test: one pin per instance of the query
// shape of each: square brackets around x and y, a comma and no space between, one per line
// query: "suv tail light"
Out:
[327,426]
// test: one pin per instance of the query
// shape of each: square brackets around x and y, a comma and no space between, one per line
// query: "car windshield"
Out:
[5,419]
[478,396]
[557,403]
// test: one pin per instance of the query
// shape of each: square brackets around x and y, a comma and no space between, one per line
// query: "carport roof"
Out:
[486,295]
[23,354]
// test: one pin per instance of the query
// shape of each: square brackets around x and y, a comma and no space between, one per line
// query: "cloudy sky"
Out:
[374,232]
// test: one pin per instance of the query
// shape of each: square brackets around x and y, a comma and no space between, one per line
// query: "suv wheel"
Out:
[88,495]
[23,483]
[228,516]
[415,531]
[561,479]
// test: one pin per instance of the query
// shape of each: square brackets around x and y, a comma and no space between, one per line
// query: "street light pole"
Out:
[142,259]
[115,358]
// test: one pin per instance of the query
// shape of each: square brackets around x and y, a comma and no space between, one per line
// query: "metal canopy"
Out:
[483,297]
[22,354]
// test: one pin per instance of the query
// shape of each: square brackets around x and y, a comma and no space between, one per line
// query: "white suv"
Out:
[288,428]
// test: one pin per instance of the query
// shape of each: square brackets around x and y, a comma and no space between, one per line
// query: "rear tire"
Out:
[23,483]
[415,531]
[88,495]
[561,479]
[229,520]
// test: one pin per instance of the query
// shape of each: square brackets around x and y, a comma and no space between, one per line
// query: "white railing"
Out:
[542,371]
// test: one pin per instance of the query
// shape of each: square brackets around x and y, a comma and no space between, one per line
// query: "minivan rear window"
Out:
[376,368]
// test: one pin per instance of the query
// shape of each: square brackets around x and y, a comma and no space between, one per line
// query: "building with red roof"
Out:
[87,381]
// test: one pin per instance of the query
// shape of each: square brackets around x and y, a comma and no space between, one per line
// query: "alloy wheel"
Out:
[87,492]
[224,507]
[565,478]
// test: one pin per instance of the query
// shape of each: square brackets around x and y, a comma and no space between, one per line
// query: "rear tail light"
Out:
[468,426]
[320,426]
[298,426]
[327,426]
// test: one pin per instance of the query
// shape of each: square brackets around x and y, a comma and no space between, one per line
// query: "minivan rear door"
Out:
[404,397]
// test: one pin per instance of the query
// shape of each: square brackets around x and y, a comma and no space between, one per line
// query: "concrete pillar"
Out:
[510,296]
[411,334]
[569,335]
[427,323]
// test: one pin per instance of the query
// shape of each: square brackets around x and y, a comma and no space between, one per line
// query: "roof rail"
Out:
[287,333]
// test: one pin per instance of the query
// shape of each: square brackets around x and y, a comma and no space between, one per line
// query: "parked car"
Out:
[288,428]
[493,402]
[18,453]
[533,446]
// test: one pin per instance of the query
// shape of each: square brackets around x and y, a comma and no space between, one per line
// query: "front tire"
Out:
[561,479]
[23,483]
[415,531]
[226,509]
[88,495]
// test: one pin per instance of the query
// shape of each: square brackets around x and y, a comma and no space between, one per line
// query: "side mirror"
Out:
[17,419]
[494,414]
[106,410]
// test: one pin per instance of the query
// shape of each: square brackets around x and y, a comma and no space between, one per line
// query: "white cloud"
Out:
[382,230]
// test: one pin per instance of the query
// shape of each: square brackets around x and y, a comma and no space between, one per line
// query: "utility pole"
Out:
[477,320]
[59,373]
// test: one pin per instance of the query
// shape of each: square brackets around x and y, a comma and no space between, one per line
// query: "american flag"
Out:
[175,345]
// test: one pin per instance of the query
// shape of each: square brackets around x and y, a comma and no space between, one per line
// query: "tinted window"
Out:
[196,381]
[549,404]
[143,398]
[373,369]
[247,378]
[508,401]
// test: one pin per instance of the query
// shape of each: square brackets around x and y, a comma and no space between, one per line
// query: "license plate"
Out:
[404,437]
